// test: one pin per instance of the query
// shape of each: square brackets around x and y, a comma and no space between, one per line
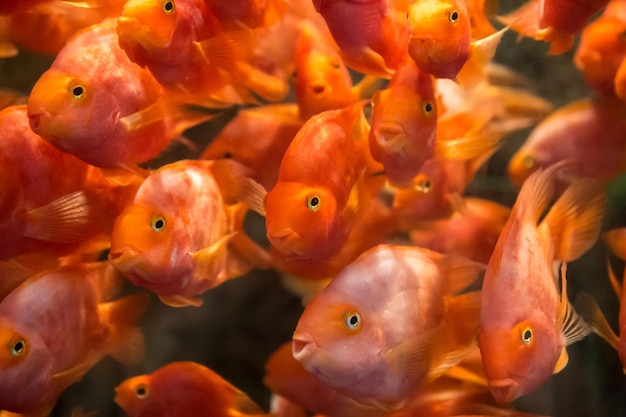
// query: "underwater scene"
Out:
[340,208]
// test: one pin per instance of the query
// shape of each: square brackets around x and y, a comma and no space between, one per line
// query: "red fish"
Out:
[350,339]
[183,233]
[526,320]
[182,389]
[319,192]
[371,34]
[55,203]
[36,365]
[591,132]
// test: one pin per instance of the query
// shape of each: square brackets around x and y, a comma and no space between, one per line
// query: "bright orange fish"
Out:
[320,192]
[55,202]
[36,365]
[96,104]
[184,46]
[258,138]
[526,320]
[183,233]
[553,21]
[602,48]
[350,338]
[183,389]
[591,132]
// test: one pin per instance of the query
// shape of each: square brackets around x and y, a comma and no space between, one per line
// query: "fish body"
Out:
[181,389]
[174,239]
[404,123]
[55,326]
[319,192]
[590,132]
[96,104]
[526,321]
[349,336]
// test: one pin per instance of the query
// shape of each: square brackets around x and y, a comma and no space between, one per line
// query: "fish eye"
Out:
[157,223]
[336,65]
[313,202]
[529,162]
[425,185]
[427,107]
[168,6]
[352,319]
[526,335]
[142,391]
[227,155]
[453,16]
[17,348]
[78,91]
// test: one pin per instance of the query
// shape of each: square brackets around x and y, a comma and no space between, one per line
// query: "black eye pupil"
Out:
[159,224]
[141,391]
[454,16]
[315,201]
[527,334]
[354,320]
[169,6]
[228,155]
[428,107]
[77,91]
[18,347]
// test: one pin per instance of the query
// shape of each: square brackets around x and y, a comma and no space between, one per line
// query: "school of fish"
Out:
[349,135]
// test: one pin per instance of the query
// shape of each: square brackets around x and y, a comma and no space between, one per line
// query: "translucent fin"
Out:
[590,310]
[236,186]
[524,20]
[617,286]
[206,258]
[458,273]
[572,326]
[482,51]
[63,220]
[615,240]
[181,301]
[467,147]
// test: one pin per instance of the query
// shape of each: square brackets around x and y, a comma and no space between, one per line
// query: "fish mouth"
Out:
[35,119]
[127,261]
[302,346]
[390,136]
[284,240]
[504,390]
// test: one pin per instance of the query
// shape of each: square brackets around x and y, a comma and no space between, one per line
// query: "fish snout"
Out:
[318,88]
[37,119]
[283,239]
[504,390]
[302,346]
[390,136]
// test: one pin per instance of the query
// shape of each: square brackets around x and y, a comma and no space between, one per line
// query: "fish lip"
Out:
[283,240]
[35,118]
[302,346]
[504,390]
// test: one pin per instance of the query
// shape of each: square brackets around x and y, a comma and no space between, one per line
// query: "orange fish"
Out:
[55,203]
[183,389]
[185,48]
[319,192]
[602,48]
[526,320]
[553,21]
[183,233]
[96,104]
[441,43]
[371,34]
[258,138]
[349,336]
[36,365]
[591,132]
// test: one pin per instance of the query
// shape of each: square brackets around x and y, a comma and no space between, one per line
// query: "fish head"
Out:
[141,244]
[518,359]
[426,195]
[71,113]
[338,342]
[136,397]
[522,165]
[303,221]
[147,25]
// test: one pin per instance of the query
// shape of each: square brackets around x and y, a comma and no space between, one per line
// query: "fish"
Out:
[73,301]
[184,46]
[321,191]
[96,104]
[526,319]
[258,138]
[183,388]
[590,132]
[371,34]
[349,337]
[441,43]
[602,48]
[554,21]
[56,203]
[183,234]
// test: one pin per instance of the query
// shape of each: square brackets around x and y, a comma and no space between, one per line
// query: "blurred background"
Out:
[244,320]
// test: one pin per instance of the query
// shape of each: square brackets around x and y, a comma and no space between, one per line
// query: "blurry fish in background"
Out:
[183,233]
[526,320]
[248,13]
[350,338]
[74,301]
[183,389]
[590,132]
[96,104]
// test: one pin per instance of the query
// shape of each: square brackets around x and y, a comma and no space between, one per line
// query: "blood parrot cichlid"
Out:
[183,233]
[526,320]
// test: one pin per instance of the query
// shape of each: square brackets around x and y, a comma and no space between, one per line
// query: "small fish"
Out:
[320,193]
[350,338]
[183,389]
[58,324]
[590,132]
[526,320]
[96,104]
[183,233]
